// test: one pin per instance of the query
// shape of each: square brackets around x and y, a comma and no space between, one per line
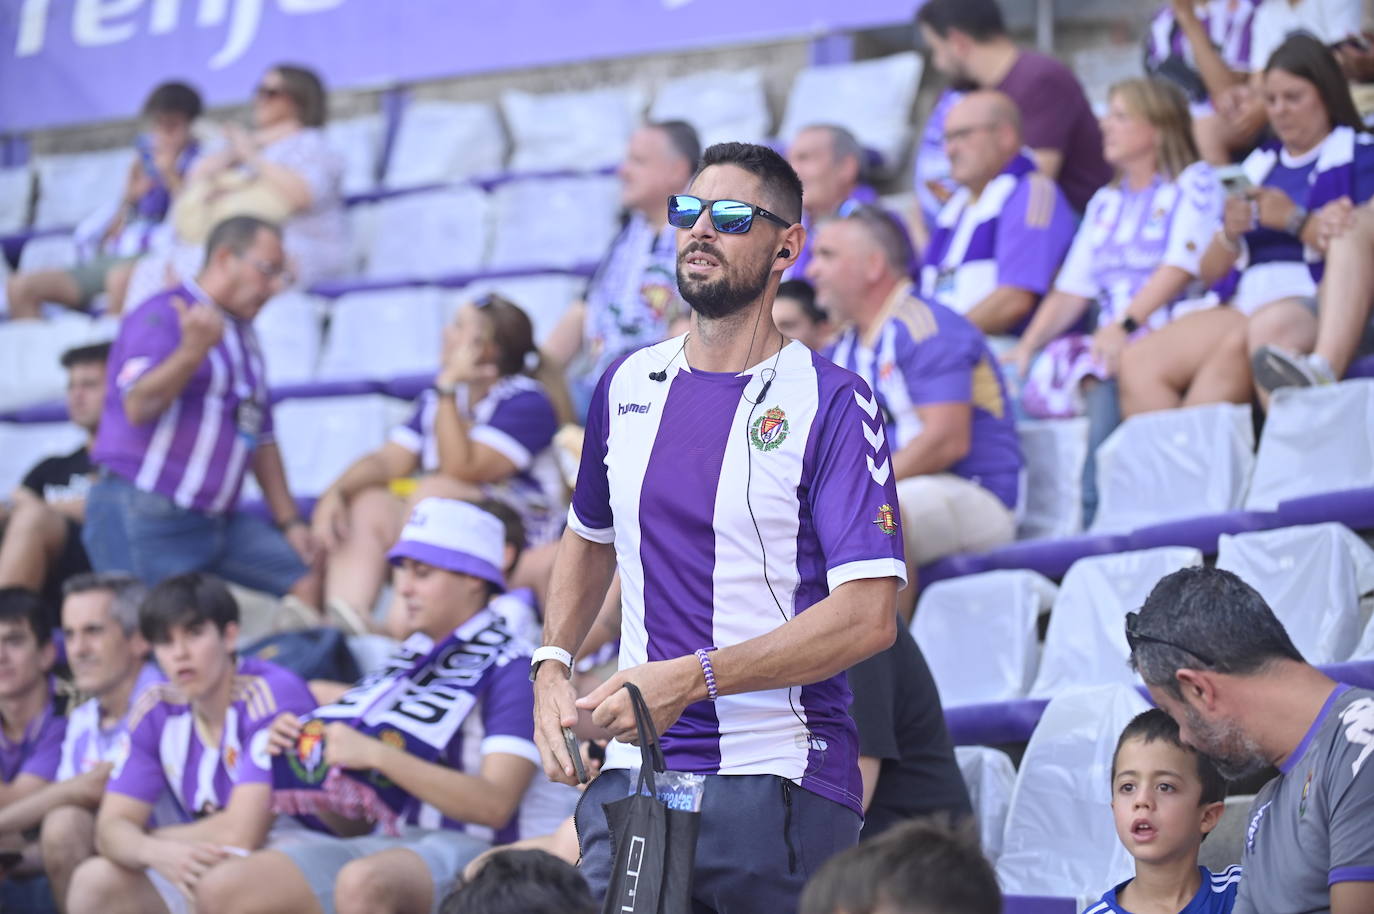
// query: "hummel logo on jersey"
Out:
[640,408]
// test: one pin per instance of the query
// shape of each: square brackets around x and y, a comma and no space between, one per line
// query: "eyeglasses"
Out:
[1134,638]
[269,91]
[731,217]
[273,270]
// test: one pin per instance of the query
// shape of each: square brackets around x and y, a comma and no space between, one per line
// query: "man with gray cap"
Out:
[1215,657]
[437,744]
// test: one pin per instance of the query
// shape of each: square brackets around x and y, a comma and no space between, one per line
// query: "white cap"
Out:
[455,536]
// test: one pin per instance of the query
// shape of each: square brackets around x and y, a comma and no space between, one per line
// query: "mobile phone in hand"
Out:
[570,741]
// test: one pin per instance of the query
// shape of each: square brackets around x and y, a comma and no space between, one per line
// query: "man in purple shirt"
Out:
[830,163]
[203,736]
[969,43]
[186,415]
[109,662]
[955,453]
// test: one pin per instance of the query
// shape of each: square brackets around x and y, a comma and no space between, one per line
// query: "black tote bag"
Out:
[653,847]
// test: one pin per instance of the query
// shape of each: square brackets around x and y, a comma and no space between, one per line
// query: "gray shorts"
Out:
[320,857]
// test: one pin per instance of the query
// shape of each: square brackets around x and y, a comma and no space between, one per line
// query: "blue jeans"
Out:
[761,839]
[153,538]
[1102,404]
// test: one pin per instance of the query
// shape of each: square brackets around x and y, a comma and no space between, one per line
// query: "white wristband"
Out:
[550,652]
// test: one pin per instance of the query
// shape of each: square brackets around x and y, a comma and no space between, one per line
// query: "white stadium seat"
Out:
[571,130]
[1316,439]
[358,141]
[872,98]
[1365,649]
[16,184]
[1174,464]
[1061,836]
[290,328]
[382,335]
[1085,644]
[1312,577]
[23,444]
[49,252]
[441,142]
[978,634]
[320,436]
[428,235]
[30,352]
[543,297]
[71,186]
[1054,451]
[722,105]
[553,222]
[990,777]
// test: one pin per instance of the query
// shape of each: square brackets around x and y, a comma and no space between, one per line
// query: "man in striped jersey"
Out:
[956,457]
[186,416]
[737,482]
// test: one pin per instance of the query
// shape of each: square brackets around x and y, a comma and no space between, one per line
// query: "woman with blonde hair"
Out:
[1136,256]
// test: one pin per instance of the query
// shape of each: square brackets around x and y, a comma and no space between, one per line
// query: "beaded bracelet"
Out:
[708,673]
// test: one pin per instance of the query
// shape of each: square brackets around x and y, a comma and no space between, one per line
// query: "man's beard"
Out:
[1233,753]
[720,297]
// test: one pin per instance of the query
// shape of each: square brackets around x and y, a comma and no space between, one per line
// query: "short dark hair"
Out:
[127,591]
[186,599]
[918,867]
[888,233]
[1155,725]
[1308,59]
[800,291]
[682,137]
[980,20]
[522,882]
[21,605]
[95,353]
[237,233]
[1214,611]
[306,91]
[174,98]
[780,182]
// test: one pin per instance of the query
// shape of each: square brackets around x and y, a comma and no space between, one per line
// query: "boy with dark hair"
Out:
[918,867]
[1166,798]
[522,882]
[203,735]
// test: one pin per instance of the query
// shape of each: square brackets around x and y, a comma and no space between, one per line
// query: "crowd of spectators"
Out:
[1207,240]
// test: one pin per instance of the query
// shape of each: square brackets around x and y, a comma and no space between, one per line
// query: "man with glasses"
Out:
[186,416]
[1215,657]
[738,483]
[996,245]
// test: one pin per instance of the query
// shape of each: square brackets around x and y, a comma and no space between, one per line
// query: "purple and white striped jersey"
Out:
[39,751]
[87,743]
[517,420]
[169,749]
[1127,234]
[666,476]
[1227,23]
[197,451]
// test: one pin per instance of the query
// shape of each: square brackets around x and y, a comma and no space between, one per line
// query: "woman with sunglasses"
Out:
[485,429]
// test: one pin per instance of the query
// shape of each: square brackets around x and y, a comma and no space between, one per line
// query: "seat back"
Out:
[16,185]
[573,131]
[383,335]
[1054,451]
[358,141]
[72,185]
[1316,439]
[428,235]
[990,777]
[441,142]
[553,222]
[871,98]
[722,105]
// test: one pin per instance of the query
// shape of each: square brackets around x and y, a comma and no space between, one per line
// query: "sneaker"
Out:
[1275,368]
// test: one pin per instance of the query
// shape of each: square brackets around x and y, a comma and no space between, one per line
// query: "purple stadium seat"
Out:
[315,389]
[1352,507]
[408,387]
[55,411]
[1361,368]
[951,566]
[1201,532]
[1052,557]
[1038,904]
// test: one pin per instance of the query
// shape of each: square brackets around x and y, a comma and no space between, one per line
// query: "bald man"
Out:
[998,242]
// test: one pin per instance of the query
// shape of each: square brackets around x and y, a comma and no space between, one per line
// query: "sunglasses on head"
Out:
[1135,637]
[730,217]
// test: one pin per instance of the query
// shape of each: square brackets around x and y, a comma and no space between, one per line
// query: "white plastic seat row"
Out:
[30,352]
[23,444]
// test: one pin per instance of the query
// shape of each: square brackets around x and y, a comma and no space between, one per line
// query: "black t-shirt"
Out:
[58,479]
[897,711]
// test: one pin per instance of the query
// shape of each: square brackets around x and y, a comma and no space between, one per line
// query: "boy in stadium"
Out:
[1166,797]
[203,734]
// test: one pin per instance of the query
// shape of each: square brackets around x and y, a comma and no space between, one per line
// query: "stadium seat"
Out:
[26,443]
[289,330]
[1352,507]
[978,634]
[1054,451]
[990,777]
[544,297]
[553,222]
[1312,577]
[73,185]
[1174,464]
[1365,649]
[1201,532]
[872,98]
[1061,836]
[1051,557]
[384,334]
[319,437]
[30,352]
[1225,843]
[441,142]
[572,131]
[1086,640]
[358,140]
[48,252]
[16,184]
[428,235]
[1315,440]
[722,105]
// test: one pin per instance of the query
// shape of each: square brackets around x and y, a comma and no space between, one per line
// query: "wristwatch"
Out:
[1129,324]
[446,390]
[550,652]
